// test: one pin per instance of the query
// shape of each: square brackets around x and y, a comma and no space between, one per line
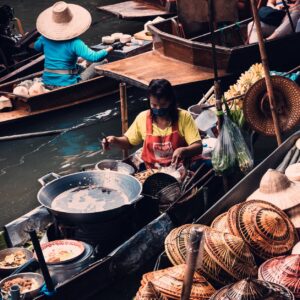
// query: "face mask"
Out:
[160,112]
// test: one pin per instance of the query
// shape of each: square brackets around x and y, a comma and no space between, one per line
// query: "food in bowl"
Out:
[13,260]
[26,284]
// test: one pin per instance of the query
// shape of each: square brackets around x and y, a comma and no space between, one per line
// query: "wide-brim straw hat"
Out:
[284,270]
[257,110]
[63,21]
[296,249]
[220,223]
[277,189]
[293,172]
[253,289]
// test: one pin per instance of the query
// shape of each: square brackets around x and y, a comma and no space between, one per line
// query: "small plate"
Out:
[62,251]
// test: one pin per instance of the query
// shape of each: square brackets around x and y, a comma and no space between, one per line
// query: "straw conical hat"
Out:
[256,105]
[266,229]
[284,270]
[296,249]
[224,258]
[293,172]
[277,189]
[63,21]
[148,292]
[220,223]
[170,284]
[253,289]
[232,219]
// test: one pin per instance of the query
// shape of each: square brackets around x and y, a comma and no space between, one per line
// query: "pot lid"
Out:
[267,229]
[225,258]
[253,289]
[284,270]
[296,249]
[220,223]
[170,284]
[277,189]
[293,172]
[148,292]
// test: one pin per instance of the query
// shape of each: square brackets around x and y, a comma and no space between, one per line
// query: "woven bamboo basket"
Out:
[169,284]
[226,258]
[220,223]
[148,292]
[283,270]
[253,289]
[266,229]
[232,219]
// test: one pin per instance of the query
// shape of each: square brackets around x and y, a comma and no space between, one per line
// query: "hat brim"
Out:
[81,21]
[261,121]
[284,200]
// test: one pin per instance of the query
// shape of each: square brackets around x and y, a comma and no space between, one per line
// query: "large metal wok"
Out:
[126,184]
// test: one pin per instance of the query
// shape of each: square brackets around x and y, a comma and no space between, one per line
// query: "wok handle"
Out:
[44,180]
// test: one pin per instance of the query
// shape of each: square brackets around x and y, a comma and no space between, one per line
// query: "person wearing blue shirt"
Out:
[60,26]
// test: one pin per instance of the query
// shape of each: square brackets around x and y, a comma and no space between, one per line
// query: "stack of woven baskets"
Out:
[249,234]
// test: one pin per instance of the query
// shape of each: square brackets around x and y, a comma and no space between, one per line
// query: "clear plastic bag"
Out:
[224,156]
[231,149]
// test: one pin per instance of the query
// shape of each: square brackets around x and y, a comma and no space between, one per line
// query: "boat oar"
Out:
[194,247]
[41,259]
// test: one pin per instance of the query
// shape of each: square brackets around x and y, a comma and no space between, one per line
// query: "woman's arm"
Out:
[183,153]
[121,142]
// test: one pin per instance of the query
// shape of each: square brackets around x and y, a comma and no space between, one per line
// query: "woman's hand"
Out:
[110,48]
[178,154]
[108,141]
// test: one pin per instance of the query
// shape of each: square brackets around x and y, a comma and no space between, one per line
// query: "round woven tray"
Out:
[220,223]
[283,270]
[253,289]
[267,229]
[225,258]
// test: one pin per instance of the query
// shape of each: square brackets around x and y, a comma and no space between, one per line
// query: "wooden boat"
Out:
[141,9]
[66,96]
[182,51]
[148,240]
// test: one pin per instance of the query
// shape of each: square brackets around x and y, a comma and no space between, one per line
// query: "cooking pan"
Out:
[127,185]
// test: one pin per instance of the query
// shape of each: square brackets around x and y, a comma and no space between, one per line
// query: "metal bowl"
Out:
[5,271]
[38,277]
[115,165]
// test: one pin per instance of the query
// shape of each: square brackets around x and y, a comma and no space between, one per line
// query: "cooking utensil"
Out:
[124,184]
[115,165]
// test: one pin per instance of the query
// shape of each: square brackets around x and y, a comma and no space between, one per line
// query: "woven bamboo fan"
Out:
[296,249]
[232,219]
[267,229]
[253,289]
[277,189]
[148,292]
[170,284]
[283,270]
[220,223]
[226,258]
[257,109]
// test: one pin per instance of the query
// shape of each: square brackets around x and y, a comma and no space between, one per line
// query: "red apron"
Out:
[159,149]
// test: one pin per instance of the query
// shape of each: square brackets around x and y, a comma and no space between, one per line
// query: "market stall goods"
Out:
[265,228]
[220,223]
[253,289]
[169,282]
[296,249]
[148,292]
[293,171]
[225,258]
[232,219]
[284,270]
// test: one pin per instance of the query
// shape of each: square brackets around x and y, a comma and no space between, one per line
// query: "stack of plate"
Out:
[169,283]
[284,270]
[253,289]
[225,258]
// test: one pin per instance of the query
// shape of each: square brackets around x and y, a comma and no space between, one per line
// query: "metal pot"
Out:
[115,165]
[125,184]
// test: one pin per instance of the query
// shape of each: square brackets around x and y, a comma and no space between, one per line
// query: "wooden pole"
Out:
[192,257]
[124,112]
[265,63]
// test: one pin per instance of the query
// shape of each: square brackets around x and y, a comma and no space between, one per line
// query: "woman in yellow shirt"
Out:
[169,134]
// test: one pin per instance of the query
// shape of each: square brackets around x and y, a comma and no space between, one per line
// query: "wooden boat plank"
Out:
[135,9]
[141,69]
